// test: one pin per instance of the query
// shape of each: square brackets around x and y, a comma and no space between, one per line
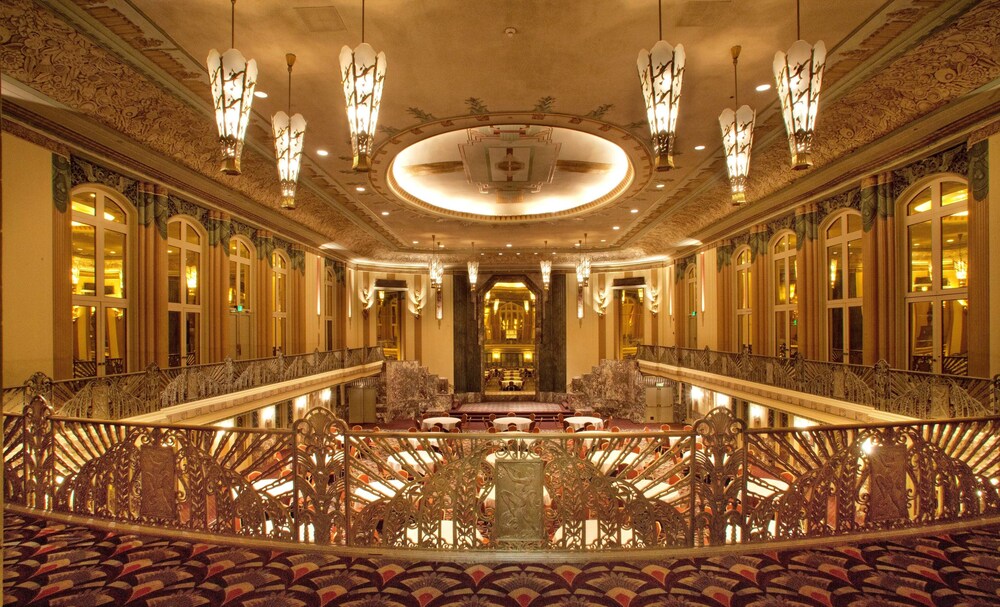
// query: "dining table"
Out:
[579,422]
[446,422]
[502,423]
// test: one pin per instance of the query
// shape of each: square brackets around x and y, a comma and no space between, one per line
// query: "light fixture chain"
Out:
[736,82]
[232,25]
[798,22]
[659,20]
[363,21]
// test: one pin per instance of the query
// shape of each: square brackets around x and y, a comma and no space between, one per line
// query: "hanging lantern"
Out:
[289,134]
[661,71]
[363,75]
[233,80]
[473,274]
[435,268]
[546,266]
[737,139]
[799,75]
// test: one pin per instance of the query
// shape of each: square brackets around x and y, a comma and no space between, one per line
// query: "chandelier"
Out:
[436,268]
[233,79]
[363,76]
[473,270]
[799,75]
[583,266]
[737,138]
[661,70]
[289,134]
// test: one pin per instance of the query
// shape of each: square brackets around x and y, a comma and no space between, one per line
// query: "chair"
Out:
[533,426]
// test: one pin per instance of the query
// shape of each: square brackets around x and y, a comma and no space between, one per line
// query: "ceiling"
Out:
[560,70]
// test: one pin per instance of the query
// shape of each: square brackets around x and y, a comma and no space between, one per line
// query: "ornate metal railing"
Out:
[129,394]
[911,393]
[319,482]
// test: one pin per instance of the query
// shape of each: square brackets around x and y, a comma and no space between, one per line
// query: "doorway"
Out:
[510,330]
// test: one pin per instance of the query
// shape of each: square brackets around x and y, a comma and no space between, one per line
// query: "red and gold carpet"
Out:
[47,563]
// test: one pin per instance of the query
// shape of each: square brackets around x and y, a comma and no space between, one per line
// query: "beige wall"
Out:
[994,219]
[27,260]
[581,334]
[313,286]
[437,342]
[708,325]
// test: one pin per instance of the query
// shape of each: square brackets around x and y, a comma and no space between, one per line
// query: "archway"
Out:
[510,329]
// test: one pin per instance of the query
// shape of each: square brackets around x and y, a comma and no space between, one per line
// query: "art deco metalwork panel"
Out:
[920,395]
[322,483]
[130,394]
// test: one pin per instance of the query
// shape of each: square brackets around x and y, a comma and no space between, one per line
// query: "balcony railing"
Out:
[910,393]
[129,394]
[712,484]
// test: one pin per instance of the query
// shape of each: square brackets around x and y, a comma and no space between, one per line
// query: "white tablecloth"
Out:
[446,422]
[578,422]
[606,460]
[377,490]
[590,534]
[502,423]
[422,462]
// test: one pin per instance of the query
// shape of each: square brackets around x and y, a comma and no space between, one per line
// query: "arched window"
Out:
[279,299]
[241,303]
[99,280]
[328,307]
[786,297]
[184,281]
[936,238]
[744,297]
[844,330]
[691,292]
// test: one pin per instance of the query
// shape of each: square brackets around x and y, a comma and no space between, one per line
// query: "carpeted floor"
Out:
[47,563]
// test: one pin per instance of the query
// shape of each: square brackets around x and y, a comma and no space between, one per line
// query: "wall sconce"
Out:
[579,302]
[602,301]
[367,297]
[416,306]
[653,301]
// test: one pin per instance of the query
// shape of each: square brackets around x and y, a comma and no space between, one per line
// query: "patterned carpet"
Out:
[47,563]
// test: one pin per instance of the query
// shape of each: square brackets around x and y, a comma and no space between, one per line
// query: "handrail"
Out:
[911,393]
[129,394]
[713,483]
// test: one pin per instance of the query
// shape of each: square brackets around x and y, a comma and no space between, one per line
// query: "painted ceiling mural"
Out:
[135,67]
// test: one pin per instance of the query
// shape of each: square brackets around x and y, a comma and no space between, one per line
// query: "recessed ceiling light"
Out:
[604,240]
[322,153]
[482,254]
[440,245]
[616,227]
[660,186]
[518,254]
[509,245]
[634,211]
[500,254]
[416,242]
[699,148]
[360,188]
[763,87]
[536,252]
[260,94]
[385,213]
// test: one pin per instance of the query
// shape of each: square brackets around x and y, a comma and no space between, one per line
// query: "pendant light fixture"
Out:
[435,268]
[799,75]
[583,265]
[546,266]
[737,138]
[473,267]
[363,73]
[289,134]
[233,80]
[661,70]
